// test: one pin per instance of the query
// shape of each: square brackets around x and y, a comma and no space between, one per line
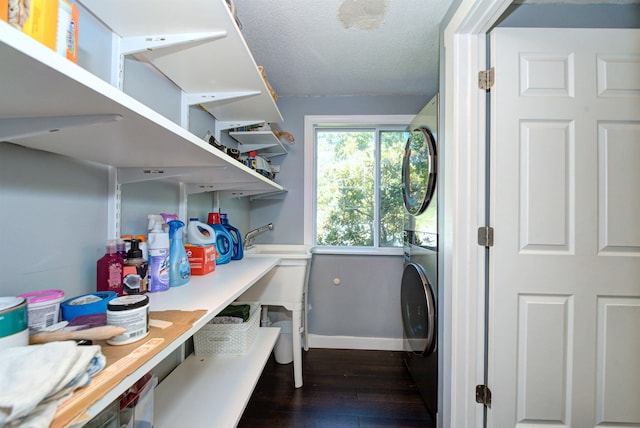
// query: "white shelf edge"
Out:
[271,195]
[264,142]
[215,388]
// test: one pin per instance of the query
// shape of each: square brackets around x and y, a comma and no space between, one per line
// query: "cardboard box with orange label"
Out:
[4,11]
[202,258]
[54,23]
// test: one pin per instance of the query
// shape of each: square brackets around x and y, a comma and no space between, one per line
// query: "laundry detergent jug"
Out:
[236,253]
[224,240]
[199,233]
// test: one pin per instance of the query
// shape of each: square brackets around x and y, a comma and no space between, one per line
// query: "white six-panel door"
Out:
[564,299]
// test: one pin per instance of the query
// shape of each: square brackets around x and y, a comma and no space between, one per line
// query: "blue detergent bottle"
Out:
[179,269]
[224,240]
[236,253]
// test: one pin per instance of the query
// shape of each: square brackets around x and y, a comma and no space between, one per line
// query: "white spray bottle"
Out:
[158,247]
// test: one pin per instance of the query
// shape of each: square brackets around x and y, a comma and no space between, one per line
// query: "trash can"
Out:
[283,350]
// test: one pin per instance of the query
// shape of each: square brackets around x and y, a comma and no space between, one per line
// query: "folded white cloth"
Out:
[35,379]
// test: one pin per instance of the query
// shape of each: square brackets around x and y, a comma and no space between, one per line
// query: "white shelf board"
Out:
[235,177]
[213,390]
[263,142]
[220,66]
[212,292]
[43,84]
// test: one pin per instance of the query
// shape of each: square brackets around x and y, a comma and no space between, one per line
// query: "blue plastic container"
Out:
[224,240]
[179,269]
[236,252]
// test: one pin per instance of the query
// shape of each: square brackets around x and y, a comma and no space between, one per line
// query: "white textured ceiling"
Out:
[345,47]
[350,47]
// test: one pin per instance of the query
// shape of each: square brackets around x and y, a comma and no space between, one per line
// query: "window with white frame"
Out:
[356,180]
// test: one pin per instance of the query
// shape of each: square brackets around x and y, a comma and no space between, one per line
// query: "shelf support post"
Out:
[114,201]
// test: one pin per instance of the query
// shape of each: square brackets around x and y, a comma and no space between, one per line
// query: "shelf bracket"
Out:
[223,125]
[22,127]
[137,44]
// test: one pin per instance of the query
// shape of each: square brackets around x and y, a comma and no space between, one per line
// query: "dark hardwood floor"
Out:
[342,389]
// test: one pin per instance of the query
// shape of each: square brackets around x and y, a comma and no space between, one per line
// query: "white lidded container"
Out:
[43,308]
[130,312]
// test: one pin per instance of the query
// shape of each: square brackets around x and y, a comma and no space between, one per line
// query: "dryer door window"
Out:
[419,171]
[418,310]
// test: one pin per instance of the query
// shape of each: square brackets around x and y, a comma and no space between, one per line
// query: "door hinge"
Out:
[485,236]
[486,79]
[483,395]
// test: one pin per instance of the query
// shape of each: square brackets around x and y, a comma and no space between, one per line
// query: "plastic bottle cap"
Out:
[111,246]
[135,252]
[214,218]
[141,238]
[175,226]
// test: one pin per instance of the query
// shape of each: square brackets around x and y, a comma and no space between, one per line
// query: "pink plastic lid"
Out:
[42,296]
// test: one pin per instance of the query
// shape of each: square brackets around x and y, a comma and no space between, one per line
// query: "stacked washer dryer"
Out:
[419,287]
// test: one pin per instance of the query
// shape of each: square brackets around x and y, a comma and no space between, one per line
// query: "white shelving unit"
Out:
[49,103]
[55,105]
[264,142]
[212,292]
[199,47]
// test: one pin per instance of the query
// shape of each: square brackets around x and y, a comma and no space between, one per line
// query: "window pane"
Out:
[345,188]
[391,205]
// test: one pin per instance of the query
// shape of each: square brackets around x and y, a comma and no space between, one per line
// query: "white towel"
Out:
[34,379]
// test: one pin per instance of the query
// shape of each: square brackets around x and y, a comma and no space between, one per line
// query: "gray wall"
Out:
[53,221]
[365,304]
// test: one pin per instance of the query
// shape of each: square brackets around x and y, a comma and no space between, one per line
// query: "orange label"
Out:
[202,259]
[4,11]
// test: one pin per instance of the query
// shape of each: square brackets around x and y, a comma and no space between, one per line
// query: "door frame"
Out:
[462,266]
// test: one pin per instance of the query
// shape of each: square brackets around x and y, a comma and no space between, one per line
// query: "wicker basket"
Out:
[228,339]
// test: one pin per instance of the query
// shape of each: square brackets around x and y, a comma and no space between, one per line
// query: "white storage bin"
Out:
[283,351]
[228,339]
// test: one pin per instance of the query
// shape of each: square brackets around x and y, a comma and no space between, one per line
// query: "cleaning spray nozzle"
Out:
[155,223]
[174,225]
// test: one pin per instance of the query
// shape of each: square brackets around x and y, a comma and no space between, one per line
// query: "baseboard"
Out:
[352,342]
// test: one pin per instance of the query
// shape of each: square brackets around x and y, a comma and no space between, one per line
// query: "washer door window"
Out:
[419,171]
[418,310]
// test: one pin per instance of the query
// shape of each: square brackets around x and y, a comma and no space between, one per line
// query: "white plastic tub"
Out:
[283,351]
[43,307]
